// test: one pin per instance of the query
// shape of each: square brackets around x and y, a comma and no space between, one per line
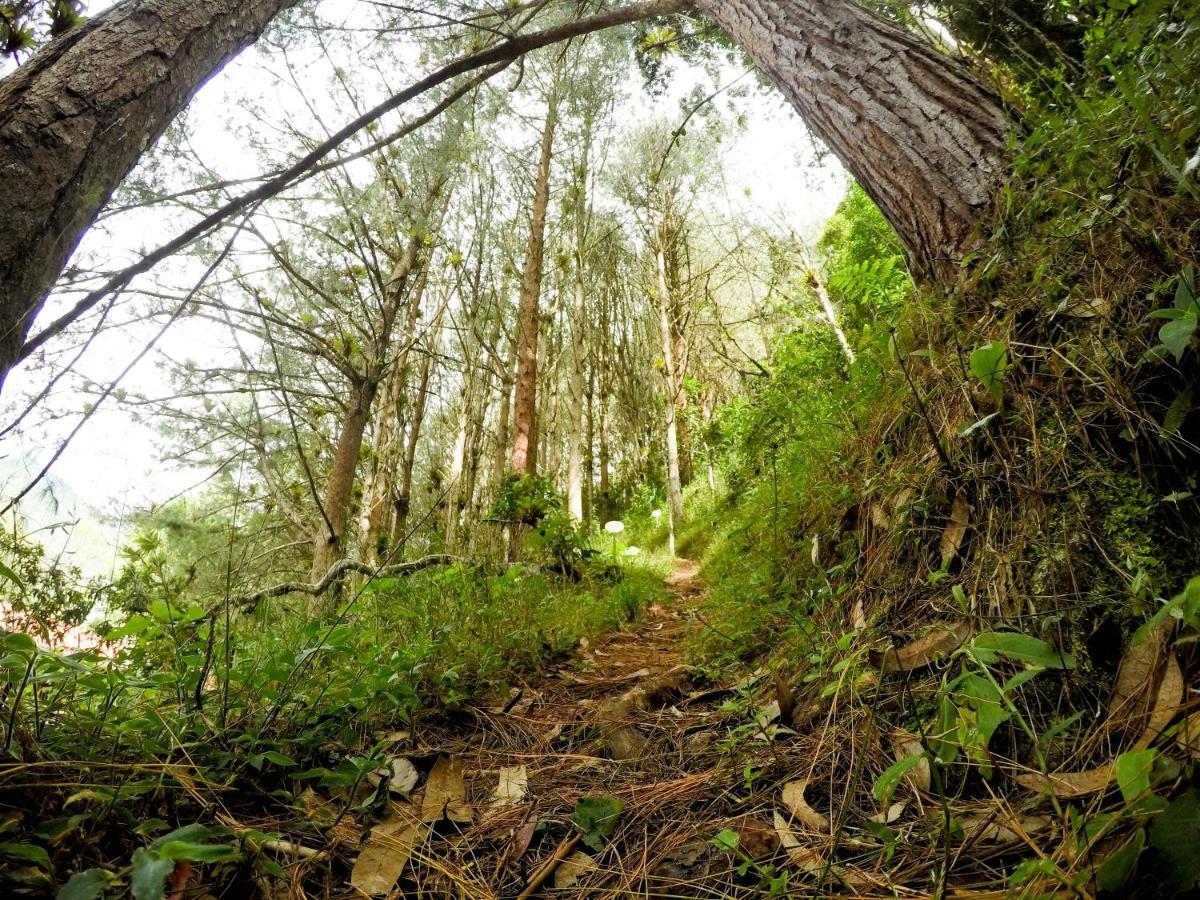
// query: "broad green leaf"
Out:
[885,784]
[148,874]
[1117,869]
[86,885]
[6,572]
[15,642]
[597,817]
[1177,335]
[1133,773]
[30,853]
[990,364]
[1023,648]
[1176,835]
[726,839]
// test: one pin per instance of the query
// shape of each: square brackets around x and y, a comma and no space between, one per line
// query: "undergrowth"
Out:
[199,717]
[1019,459]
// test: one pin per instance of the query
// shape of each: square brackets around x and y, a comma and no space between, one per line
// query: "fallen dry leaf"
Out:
[512,787]
[1166,703]
[446,793]
[1131,691]
[1065,785]
[941,640]
[571,869]
[804,858]
[1188,735]
[919,776]
[400,774]
[879,517]
[894,812]
[997,828]
[793,799]
[382,860]
[956,530]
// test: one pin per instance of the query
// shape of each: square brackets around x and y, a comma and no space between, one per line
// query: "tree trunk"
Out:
[524,449]
[831,314]
[925,139]
[75,120]
[379,497]
[671,406]
[404,488]
[327,546]
[578,409]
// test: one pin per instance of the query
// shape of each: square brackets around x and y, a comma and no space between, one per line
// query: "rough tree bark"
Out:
[524,449]
[923,136]
[75,120]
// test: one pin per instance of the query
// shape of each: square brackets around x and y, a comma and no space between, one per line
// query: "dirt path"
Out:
[619,723]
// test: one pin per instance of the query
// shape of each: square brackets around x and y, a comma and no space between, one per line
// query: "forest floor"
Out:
[607,777]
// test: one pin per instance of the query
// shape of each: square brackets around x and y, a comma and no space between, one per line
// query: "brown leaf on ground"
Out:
[571,869]
[919,776]
[400,774]
[446,793]
[1166,703]
[941,640]
[997,828]
[1139,668]
[804,858]
[513,786]
[956,530]
[893,812]
[793,799]
[386,853]
[1188,736]
[755,838]
[1066,785]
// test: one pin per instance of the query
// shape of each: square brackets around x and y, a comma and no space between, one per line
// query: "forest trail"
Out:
[617,724]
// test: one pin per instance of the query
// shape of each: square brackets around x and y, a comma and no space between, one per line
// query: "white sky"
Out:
[772,173]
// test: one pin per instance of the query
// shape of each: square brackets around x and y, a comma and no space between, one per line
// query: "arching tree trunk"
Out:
[918,131]
[75,120]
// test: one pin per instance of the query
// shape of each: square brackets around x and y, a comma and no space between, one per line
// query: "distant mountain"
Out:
[54,514]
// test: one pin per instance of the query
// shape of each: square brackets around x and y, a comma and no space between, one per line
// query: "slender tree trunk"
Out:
[589,455]
[379,496]
[404,487]
[458,497]
[502,426]
[924,137]
[671,406]
[524,447]
[831,314]
[327,546]
[75,120]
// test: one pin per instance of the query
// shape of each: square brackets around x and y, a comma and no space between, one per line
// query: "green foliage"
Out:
[596,818]
[42,596]
[990,364]
[1175,834]
[287,699]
